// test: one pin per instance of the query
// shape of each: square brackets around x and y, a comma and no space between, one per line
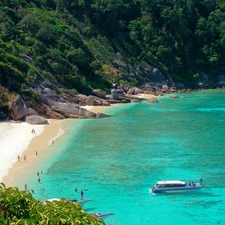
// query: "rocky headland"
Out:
[55,102]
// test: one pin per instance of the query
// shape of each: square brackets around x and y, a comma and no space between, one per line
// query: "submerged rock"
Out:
[152,100]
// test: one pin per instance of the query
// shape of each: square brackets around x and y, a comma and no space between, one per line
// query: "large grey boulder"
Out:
[165,87]
[84,113]
[34,119]
[90,100]
[31,111]
[117,93]
[156,76]
[135,91]
[65,108]
[82,99]
[52,114]
[95,101]
[17,109]
[99,93]
[70,110]
[105,103]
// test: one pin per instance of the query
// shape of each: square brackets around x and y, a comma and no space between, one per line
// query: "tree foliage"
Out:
[19,207]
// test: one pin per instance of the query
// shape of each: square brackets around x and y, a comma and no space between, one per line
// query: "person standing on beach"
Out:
[36,153]
[24,157]
[18,158]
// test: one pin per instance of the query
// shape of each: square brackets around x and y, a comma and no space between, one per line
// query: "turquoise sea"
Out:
[116,161]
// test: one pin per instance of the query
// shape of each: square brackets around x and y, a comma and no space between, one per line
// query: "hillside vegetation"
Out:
[73,43]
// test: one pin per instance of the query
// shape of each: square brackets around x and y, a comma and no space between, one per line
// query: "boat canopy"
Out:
[171,182]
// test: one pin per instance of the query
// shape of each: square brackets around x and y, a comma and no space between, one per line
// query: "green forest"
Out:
[73,43]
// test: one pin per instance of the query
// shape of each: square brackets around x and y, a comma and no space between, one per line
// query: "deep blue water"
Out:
[116,160]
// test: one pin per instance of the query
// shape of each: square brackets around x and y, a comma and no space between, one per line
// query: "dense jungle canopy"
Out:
[74,42]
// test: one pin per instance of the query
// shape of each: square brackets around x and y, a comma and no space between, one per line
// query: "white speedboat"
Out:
[172,186]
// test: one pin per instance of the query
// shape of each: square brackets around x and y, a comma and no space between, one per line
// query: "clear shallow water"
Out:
[116,160]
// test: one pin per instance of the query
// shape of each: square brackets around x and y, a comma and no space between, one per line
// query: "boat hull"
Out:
[174,190]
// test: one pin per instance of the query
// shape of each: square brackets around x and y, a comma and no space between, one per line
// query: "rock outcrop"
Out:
[70,110]
[99,93]
[56,103]
[34,119]
[17,109]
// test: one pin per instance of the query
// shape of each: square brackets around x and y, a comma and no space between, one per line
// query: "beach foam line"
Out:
[95,109]
[52,141]
[15,138]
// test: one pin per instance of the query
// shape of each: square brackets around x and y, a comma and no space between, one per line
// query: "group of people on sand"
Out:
[38,173]
[24,157]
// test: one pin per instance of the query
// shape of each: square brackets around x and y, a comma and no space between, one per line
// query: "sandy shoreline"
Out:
[17,139]
[40,141]
[26,143]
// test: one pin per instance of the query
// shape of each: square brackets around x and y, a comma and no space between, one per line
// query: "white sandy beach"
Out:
[14,140]
[17,139]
